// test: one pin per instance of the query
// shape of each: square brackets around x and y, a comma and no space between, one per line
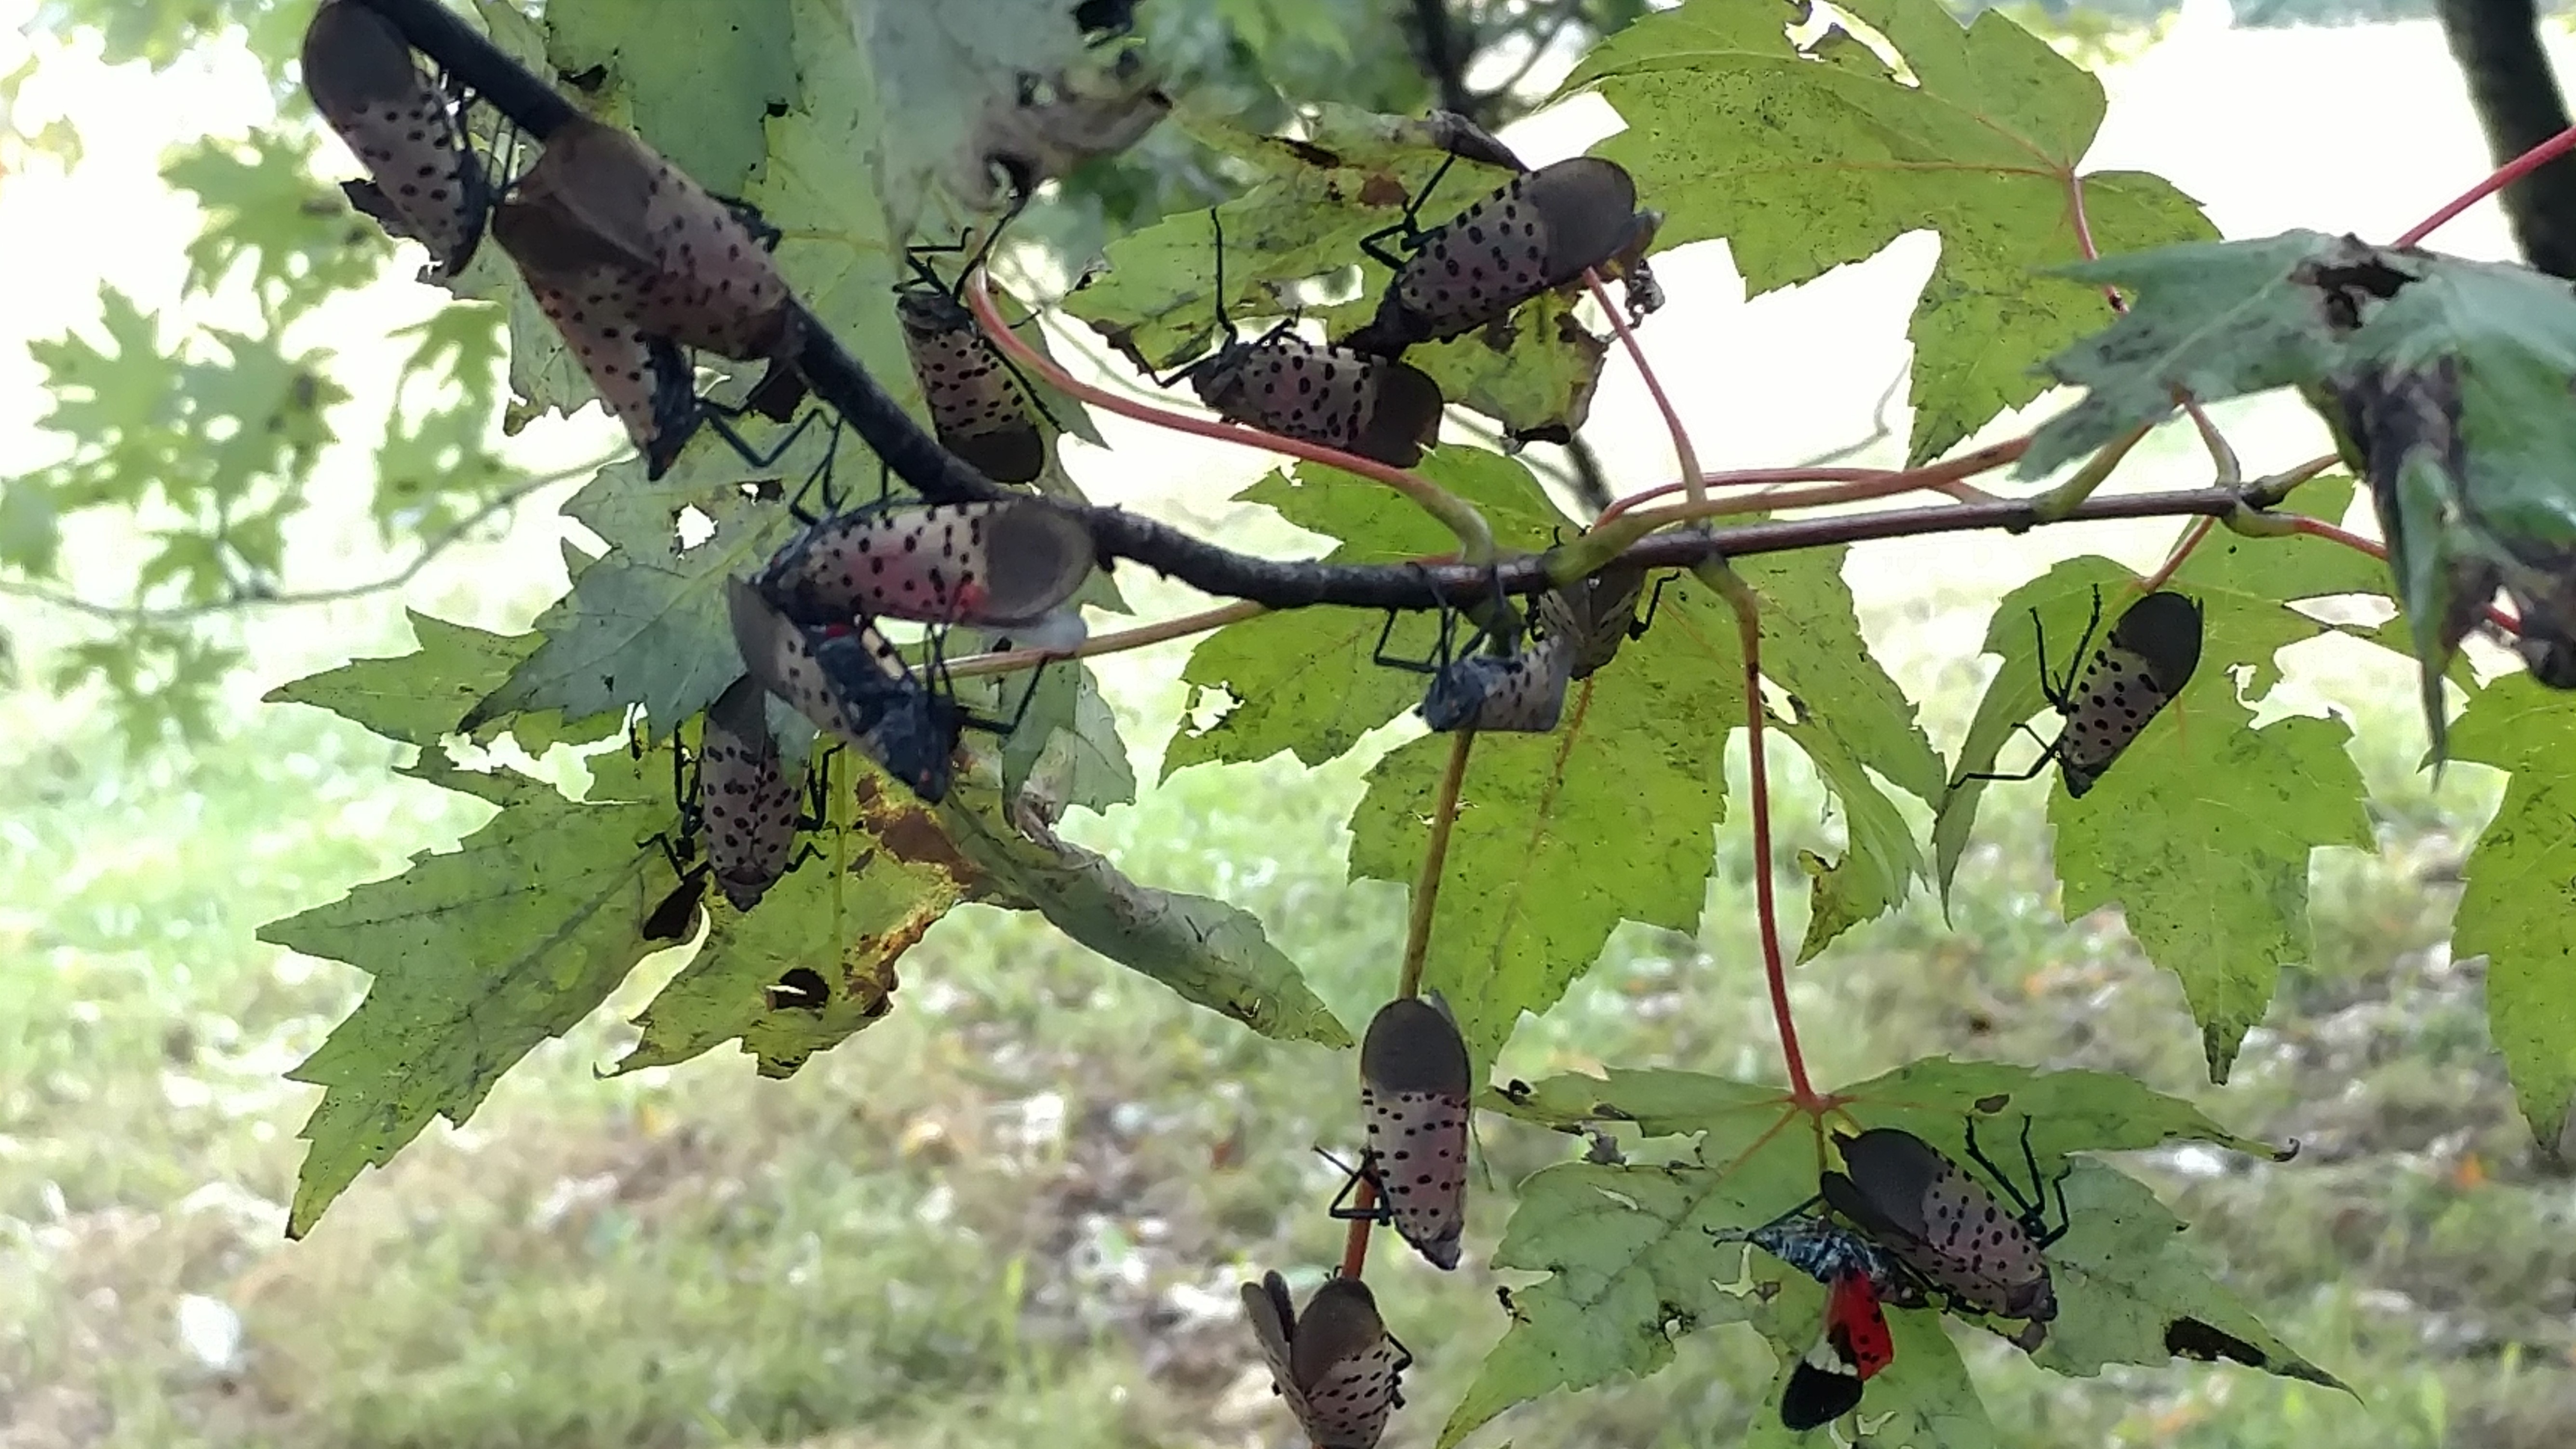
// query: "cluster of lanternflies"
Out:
[638,268]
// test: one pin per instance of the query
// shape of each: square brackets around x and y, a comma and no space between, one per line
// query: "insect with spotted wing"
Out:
[2110,698]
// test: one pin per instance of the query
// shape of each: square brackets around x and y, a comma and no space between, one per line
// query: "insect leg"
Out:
[2023,1206]
[1408,227]
[1378,1212]
[2047,755]
[1637,628]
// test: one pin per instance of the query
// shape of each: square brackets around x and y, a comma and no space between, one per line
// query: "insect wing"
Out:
[1595,614]
[2150,656]
[975,404]
[1006,563]
[747,802]
[1345,1366]
[1535,233]
[428,182]
[1941,1223]
[622,220]
[645,386]
[1415,1088]
[1522,692]
[1318,393]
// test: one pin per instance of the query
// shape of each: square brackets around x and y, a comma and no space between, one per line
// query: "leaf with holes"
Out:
[2515,908]
[847,928]
[1631,1266]
[1206,951]
[695,81]
[2202,828]
[479,954]
[1301,679]
[647,623]
[1735,132]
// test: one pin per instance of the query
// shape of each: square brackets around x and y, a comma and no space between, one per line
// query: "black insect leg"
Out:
[1408,227]
[2031,1210]
[1442,652]
[2061,697]
[1379,1212]
[2047,757]
[1637,627]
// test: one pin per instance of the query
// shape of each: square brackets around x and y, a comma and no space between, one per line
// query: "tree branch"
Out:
[838,379]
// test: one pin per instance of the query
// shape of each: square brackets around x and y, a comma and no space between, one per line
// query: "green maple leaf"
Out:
[2203,828]
[847,925]
[1207,951]
[695,80]
[416,698]
[479,954]
[1560,837]
[2514,910]
[1803,166]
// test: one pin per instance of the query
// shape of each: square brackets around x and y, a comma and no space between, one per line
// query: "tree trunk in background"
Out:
[2497,43]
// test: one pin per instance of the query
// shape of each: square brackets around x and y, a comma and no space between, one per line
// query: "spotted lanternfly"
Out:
[1414,1093]
[602,215]
[852,682]
[1523,690]
[644,381]
[2108,699]
[1335,1364]
[1281,383]
[1947,1229]
[987,564]
[1826,1384]
[978,406]
[1824,1250]
[1597,614]
[429,184]
[1535,233]
[745,804]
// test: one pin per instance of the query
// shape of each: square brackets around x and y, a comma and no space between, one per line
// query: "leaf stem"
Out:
[2319,528]
[1684,455]
[1475,537]
[1417,949]
[1005,661]
[2502,177]
[1748,628]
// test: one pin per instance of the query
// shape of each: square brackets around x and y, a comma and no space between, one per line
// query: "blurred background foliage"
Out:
[1001,1222]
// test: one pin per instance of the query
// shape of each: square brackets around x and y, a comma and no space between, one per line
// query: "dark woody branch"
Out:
[913,454]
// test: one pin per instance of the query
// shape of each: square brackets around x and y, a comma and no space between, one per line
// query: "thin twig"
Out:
[1006,661]
[1748,629]
[2503,176]
[1684,454]
[1417,950]
[429,551]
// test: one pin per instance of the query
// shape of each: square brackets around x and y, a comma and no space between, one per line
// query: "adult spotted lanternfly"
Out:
[1826,1384]
[1335,1364]
[1414,1092]
[1824,1250]
[1598,614]
[1312,391]
[2109,698]
[979,406]
[429,184]
[1947,1229]
[1535,233]
[746,807]
[633,263]
[1517,689]
[986,564]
